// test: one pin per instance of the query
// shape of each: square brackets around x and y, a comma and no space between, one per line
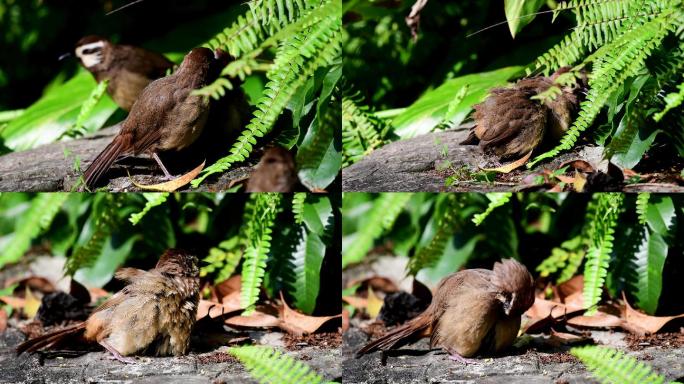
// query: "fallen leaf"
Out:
[580,182]
[374,304]
[14,302]
[543,308]
[309,324]
[3,320]
[36,283]
[558,339]
[255,320]
[421,291]
[356,302]
[345,320]
[598,320]
[578,164]
[171,185]
[510,166]
[640,323]
[571,292]
[97,293]
[32,304]
[226,287]
[80,292]
[378,283]
[214,309]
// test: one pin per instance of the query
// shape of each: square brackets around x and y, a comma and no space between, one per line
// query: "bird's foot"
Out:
[123,359]
[453,355]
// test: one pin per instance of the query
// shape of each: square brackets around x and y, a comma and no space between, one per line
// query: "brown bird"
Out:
[129,69]
[275,172]
[166,116]
[473,312]
[510,124]
[153,314]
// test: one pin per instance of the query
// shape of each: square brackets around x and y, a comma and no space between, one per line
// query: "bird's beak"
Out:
[64,56]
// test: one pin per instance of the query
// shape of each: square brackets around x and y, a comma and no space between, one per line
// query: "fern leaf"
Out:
[97,229]
[258,238]
[78,129]
[268,365]
[360,130]
[496,199]
[603,224]
[642,206]
[298,200]
[153,200]
[447,220]
[612,366]
[386,208]
[672,100]
[44,207]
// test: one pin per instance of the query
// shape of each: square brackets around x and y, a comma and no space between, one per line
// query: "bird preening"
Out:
[473,312]
[153,314]
[510,123]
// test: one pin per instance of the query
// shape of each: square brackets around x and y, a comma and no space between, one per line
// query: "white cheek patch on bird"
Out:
[90,54]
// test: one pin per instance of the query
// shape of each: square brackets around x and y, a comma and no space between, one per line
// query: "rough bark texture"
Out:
[98,367]
[419,164]
[52,168]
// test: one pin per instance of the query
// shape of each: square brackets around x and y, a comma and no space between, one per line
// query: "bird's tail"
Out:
[410,331]
[105,159]
[48,340]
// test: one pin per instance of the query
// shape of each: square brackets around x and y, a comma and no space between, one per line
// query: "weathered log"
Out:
[58,166]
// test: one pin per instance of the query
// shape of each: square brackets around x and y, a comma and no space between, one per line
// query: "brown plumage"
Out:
[473,312]
[153,314]
[510,124]
[166,116]
[276,172]
[129,69]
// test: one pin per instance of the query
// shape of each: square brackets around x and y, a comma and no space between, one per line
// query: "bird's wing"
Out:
[129,275]
[149,113]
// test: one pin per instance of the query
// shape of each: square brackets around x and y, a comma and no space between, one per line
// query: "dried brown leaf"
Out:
[174,184]
[640,323]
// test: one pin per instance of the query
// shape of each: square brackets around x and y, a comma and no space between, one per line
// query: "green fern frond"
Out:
[223,258]
[642,206]
[101,222]
[451,109]
[360,130]
[612,366]
[447,219]
[78,129]
[44,207]
[153,200]
[298,200]
[608,208]
[386,208]
[258,239]
[268,365]
[314,150]
[672,101]
[496,199]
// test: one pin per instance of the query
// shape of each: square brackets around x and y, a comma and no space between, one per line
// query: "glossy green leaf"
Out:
[517,11]
[112,257]
[318,214]
[307,260]
[660,215]
[49,117]
[431,108]
[649,261]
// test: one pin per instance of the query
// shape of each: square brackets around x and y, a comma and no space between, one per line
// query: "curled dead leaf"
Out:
[171,185]
[640,323]
[213,309]
[374,304]
[356,302]
[309,324]
[378,283]
[510,166]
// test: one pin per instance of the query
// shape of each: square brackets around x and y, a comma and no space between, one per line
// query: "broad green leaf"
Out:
[453,258]
[517,11]
[49,117]
[431,108]
[307,260]
[649,260]
[660,215]
[318,214]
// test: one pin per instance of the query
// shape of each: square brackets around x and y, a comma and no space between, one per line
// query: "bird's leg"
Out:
[455,356]
[161,165]
[115,354]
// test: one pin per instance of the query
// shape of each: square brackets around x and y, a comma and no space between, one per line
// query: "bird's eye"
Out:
[90,51]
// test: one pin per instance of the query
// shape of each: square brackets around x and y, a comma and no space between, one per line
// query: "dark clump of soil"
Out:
[218,357]
[323,340]
[665,340]
[398,307]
